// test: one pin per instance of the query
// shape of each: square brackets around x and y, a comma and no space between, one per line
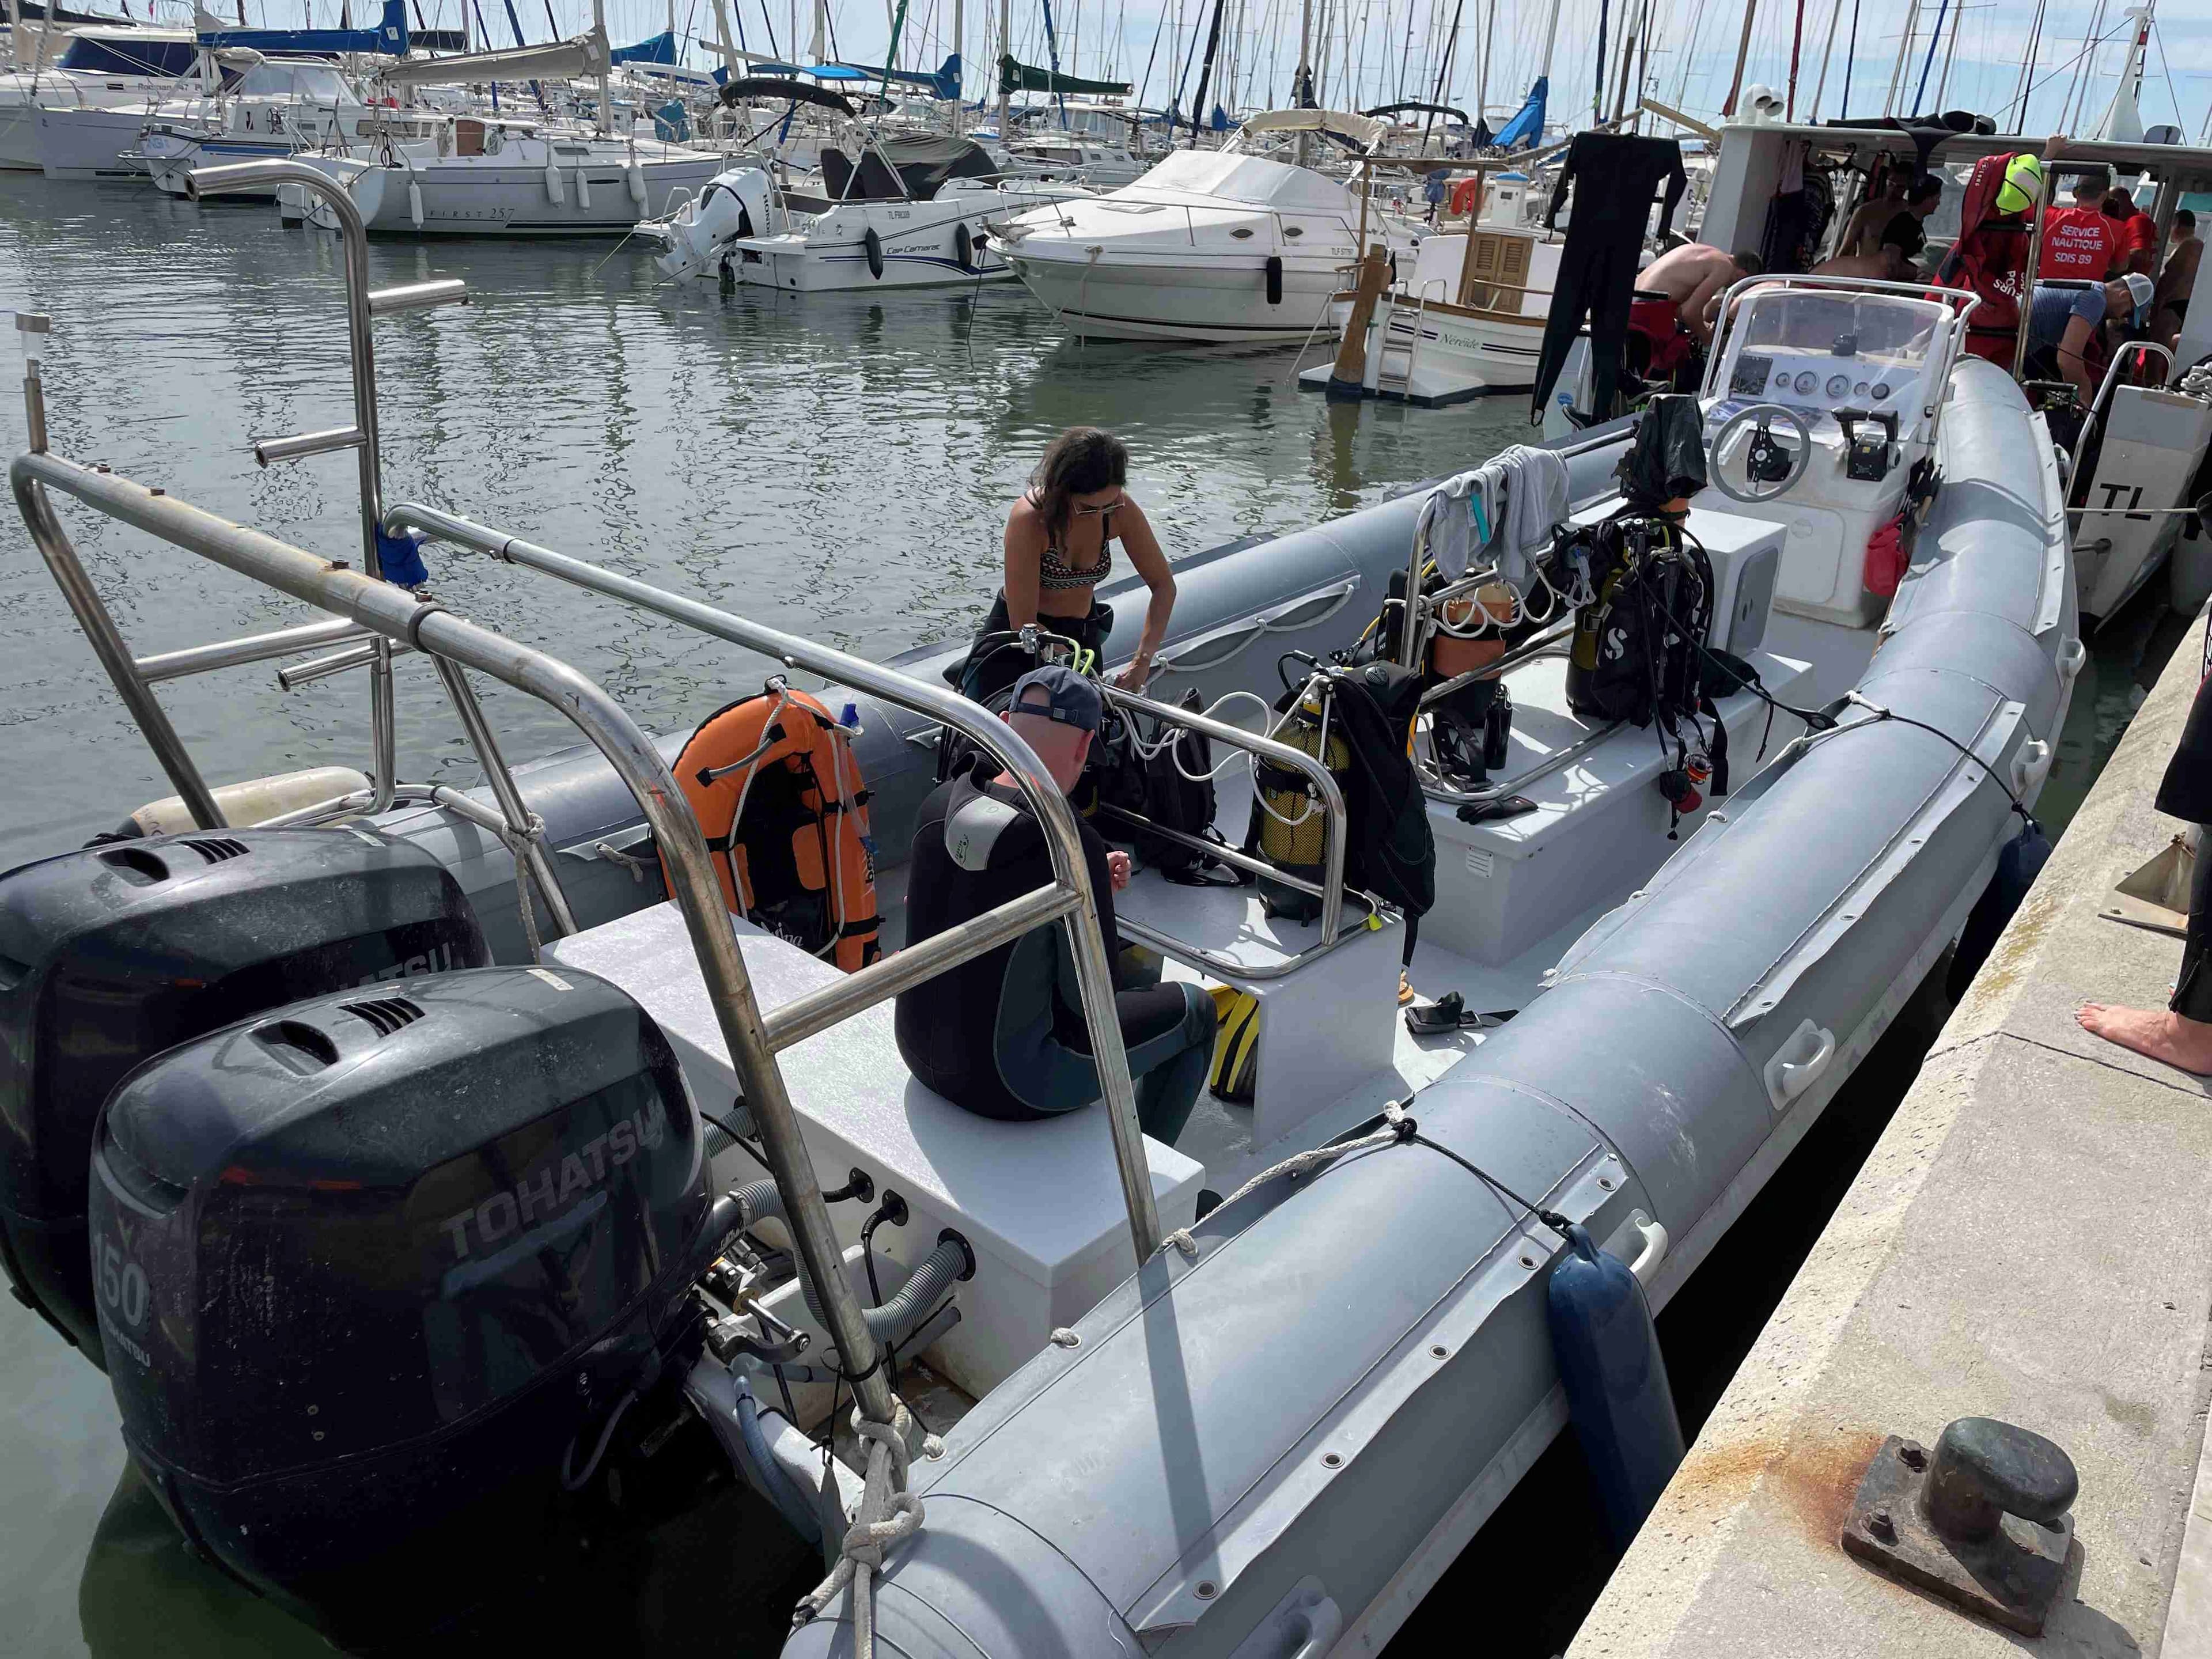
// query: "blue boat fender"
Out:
[2020,861]
[1617,1397]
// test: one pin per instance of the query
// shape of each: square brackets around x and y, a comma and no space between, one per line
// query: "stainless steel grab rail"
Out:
[397,615]
[1063,840]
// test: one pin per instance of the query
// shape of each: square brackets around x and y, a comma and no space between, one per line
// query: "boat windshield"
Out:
[319,83]
[1820,350]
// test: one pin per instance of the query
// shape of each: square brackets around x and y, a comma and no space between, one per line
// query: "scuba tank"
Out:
[1288,826]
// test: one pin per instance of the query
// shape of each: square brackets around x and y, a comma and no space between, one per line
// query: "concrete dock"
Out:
[2030,1241]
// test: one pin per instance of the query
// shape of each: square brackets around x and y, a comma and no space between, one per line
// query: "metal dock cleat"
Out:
[1983,1523]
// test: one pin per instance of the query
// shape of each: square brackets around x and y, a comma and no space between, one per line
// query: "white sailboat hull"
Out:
[87,144]
[511,197]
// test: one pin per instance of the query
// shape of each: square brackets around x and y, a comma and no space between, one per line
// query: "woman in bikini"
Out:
[1059,546]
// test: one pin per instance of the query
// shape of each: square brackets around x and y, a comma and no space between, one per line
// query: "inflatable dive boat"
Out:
[386,1192]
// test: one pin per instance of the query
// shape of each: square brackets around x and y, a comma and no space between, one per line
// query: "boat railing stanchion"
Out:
[397,616]
[524,831]
[362,305]
[90,611]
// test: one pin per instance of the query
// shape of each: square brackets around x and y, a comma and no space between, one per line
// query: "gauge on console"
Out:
[1807,379]
[1859,389]
[1838,384]
[1880,390]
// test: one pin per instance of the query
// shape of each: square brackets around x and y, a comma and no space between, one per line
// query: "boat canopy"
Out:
[777,86]
[922,166]
[557,60]
[1228,177]
[1385,110]
[1015,76]
[388,36]
[1358,130]
[166,53]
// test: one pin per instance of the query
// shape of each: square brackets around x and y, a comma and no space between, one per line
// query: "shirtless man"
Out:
[1694,276]
[1863,231]
[2169,304]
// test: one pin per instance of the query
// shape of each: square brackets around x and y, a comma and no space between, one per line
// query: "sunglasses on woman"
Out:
[1095,512]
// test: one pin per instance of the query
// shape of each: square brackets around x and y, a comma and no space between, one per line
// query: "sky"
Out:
[1691,58]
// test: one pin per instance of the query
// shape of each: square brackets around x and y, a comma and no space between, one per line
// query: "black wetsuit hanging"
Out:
[1613,178]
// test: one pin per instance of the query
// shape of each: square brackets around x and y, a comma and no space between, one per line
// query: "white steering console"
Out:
[1771,469]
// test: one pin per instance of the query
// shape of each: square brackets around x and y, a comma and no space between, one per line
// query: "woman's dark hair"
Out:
[1080,460]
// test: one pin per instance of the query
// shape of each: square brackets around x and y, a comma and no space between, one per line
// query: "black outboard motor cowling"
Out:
[377,1270]
[110,955]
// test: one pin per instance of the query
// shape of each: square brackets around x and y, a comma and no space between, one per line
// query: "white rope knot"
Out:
[1183,1241]
[887,1515]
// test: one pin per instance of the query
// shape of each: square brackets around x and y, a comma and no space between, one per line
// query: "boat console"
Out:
[1822,405]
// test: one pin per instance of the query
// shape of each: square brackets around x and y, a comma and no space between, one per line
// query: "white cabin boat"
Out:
[1210,246]
[907,213]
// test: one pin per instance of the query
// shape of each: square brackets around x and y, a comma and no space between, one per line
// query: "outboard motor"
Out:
[110,955]
[382,1277]
[734,203]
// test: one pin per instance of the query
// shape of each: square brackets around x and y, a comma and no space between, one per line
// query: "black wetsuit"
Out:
[1004,1034]
[1612,178]
[2185,792]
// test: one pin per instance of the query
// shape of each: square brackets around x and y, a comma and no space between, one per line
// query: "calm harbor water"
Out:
[837,466]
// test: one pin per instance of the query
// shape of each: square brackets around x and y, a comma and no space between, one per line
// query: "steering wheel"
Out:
[1770,469]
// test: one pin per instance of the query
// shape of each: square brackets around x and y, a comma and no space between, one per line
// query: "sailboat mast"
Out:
[1904,50]
[959,18]
[599,28]
[1796,51]
[1551,40]
[1005,51]
[1742,52]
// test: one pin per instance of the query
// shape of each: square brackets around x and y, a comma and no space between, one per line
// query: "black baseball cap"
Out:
[1067,697]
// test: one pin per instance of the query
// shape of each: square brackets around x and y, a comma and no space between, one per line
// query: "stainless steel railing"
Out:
[389,618]
[1070,902]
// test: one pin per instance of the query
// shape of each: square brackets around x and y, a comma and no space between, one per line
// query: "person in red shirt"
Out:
[2079,244]
[2138,231]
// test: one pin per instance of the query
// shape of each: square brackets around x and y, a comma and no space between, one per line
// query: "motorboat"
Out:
[99,67]
[1249,1391]
[1093,163]
[1210,246]
[1467,317]
[901,213]
[2137,444]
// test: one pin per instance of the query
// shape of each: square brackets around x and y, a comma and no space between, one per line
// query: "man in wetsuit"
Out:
[1004,1034]
[1693,277]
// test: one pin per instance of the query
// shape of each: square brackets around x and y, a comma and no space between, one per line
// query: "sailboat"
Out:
[274,93]
[491,175]
[100,66]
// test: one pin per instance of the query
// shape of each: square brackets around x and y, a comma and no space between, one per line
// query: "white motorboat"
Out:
[1091,163]
[1468,318]
[1213,246]
[99,68]
[909,213]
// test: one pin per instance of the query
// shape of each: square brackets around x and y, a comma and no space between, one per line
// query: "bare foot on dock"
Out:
[2162,1034]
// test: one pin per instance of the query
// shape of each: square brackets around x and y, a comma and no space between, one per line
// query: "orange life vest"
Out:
[778,793]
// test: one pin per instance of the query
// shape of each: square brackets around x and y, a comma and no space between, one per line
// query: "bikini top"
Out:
[1054,572]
